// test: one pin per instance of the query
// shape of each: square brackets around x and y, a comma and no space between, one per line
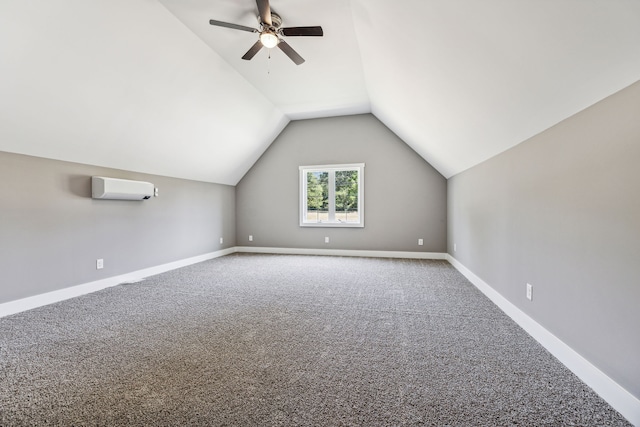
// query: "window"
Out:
[332,196]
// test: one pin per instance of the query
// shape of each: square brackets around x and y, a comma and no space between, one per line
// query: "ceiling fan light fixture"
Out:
[269,39]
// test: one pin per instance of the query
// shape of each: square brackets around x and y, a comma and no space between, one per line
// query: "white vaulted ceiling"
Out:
[150,86]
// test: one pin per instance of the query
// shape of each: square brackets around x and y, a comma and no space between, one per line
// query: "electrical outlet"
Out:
[250,238]
[529,292]
[454,248]
[99,264]
[221,240]
[326,239]
[420,242]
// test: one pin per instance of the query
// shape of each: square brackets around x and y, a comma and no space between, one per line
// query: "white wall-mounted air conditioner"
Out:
[120,189]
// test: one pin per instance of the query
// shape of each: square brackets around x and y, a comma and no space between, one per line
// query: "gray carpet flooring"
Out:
[268,340]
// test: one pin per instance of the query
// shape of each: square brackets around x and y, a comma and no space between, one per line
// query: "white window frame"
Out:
[331,169]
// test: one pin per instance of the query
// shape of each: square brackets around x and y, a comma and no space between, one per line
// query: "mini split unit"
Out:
[120,189]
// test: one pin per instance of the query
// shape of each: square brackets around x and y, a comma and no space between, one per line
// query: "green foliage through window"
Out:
[346,193]
[332,195]
[317,192]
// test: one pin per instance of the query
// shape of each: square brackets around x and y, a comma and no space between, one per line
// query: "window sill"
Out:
[333,224]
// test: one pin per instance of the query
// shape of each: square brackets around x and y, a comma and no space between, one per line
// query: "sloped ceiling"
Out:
[150,86]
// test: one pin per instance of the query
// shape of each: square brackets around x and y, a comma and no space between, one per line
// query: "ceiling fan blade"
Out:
[265,11]
[288,50]
[252,52]
[302,31]
[234,26]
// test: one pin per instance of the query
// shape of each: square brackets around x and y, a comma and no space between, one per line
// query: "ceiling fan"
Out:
[271,32]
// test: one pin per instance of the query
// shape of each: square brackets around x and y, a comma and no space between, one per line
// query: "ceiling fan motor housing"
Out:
[276,21]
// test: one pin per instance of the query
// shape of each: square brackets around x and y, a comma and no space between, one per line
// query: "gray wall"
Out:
[52,232]
[405,198]
[562,212]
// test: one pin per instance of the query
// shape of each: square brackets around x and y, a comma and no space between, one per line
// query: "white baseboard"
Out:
[17,306]
[342,252]
[618,397]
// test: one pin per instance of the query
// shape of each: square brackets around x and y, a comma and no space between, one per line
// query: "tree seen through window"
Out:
[317,195]
[332,195]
